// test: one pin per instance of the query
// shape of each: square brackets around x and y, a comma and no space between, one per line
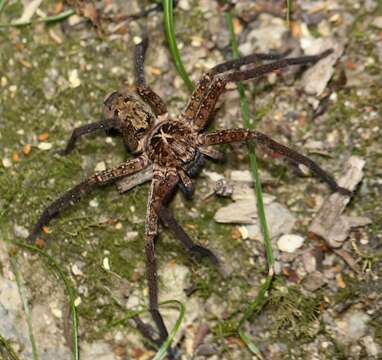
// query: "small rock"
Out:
[20,231]
[45,145]
[184,5]
[106,264]
[314,281]
[377,22]
[315,79]
[76,270]
[309,261]
[93,203]
[74,80]
[101,166]
[290,243]
[223,188]
[206,350]
[372,348]
[352,326]
[56,312]
[7,163]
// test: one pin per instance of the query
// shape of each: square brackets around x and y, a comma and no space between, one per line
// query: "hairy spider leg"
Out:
[202,88]
[237,135]
[87,129]
[77,192]
[162,186]
[143,90]
[168,220]
[219,82]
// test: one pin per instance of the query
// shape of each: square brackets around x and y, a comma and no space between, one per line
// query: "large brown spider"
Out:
[174,148]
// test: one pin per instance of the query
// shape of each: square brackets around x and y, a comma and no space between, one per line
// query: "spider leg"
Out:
[143,90]
[168,220]
[185,184]
[212,153]
[78,191]
[201,113]
[162,185]
[87,129]
[202,87]
[235,135]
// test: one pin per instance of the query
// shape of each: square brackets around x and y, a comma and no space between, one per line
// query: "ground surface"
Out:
[55,77]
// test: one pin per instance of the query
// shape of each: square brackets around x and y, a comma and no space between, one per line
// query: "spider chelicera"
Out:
[174,149]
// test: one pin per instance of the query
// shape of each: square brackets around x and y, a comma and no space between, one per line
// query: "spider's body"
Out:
[175,148]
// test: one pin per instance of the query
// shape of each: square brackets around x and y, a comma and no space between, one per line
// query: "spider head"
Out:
[134,118]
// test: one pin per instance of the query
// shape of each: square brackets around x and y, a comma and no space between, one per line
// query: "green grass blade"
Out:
[161,353]
[69,289]
[171,39]
[11,353]
[24,301]
[162,350]
[48,19]
[289,11]
[2,5]
[260,298]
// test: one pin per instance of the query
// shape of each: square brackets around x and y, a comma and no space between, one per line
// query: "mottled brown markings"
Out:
[174,148]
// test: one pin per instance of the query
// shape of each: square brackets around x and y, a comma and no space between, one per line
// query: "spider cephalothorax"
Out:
[175,148]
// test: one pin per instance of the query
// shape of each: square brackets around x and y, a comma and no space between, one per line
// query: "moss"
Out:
[293,311]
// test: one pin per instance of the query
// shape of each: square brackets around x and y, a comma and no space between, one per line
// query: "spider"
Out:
[175,148]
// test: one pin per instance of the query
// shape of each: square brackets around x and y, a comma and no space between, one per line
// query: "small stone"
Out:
[309,261]
[314,281]
[20,231]
[372,348]
[57,313]
[93,203]
[243,232]
[101,166]
[184,5]
[352,326]
[290,243]
[106,264]
[77,301]
[7,163]
[223,188]
[45,145]
[3,81]
[74,80]
[377,22]
[76,270]
[137,40]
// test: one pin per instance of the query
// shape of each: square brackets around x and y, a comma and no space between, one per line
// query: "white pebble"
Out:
[20,231]
[101,166]
[74,80]
[57,313]
[45,145]
[289,242]
[76,270]
[94,203]
[77,302]
[106,264]
[7,163]
[243,232]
